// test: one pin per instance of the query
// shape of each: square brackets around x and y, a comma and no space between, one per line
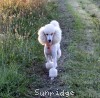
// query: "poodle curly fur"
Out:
[50,36]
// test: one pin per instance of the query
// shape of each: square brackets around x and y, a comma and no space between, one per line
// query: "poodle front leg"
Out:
[54,58]
[47,56]
[55,62]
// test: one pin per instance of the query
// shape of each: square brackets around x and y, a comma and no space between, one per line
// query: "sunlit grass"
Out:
[21,4]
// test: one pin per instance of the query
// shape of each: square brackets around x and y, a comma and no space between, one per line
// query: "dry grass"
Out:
[21,4]
[11,10]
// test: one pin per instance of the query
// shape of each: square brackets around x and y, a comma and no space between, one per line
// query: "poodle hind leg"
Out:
[59,53]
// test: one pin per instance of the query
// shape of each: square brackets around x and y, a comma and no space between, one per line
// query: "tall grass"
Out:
[19,48]
[21,3]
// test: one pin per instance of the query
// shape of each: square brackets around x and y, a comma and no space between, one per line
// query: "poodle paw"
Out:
[53,72]
[49,65]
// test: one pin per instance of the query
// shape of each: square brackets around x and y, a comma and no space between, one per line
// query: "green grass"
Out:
[20,51]
[82,73]
[12,82]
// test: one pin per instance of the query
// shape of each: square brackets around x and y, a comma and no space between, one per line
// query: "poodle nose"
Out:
[49,41]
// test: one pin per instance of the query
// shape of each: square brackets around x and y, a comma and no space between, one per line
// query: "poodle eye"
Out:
[51,33]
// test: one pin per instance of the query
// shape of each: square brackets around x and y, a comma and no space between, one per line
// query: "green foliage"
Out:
[20,51]
[12,82]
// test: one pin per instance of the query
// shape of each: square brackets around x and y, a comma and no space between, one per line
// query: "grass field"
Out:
[19,23]
[21,55]
[82,73]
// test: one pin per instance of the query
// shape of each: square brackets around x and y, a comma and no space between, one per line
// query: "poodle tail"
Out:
[55,23]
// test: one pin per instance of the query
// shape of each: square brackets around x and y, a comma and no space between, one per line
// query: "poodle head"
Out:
[49,34]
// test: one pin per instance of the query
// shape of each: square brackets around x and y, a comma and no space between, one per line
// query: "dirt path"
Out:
[66,21]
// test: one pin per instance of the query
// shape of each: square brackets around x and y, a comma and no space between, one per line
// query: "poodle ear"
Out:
[57,36]
[41,36]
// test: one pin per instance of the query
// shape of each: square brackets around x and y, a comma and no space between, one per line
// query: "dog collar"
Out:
[48,45]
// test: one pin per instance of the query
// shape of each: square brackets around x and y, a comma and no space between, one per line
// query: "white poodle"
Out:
[50,36]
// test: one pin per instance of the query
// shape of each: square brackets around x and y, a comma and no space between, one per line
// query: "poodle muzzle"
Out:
[49,37]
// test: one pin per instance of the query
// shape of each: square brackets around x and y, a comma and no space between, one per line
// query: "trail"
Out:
[66,20]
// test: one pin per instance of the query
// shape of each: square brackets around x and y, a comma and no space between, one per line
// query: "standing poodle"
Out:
[50,36]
